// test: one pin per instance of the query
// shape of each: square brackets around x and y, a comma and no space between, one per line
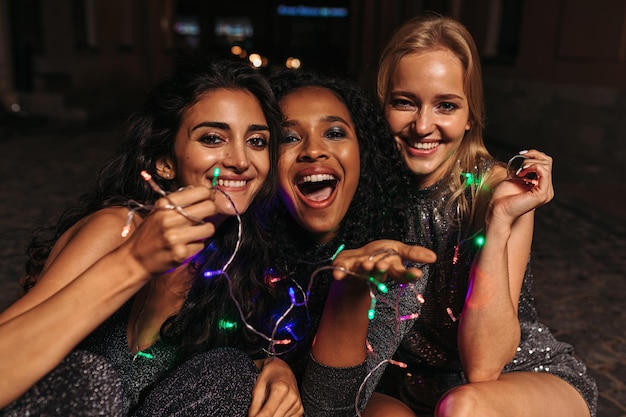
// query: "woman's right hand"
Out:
[166,238]
[275,393]
[518,195]
[383,258]
[341,337]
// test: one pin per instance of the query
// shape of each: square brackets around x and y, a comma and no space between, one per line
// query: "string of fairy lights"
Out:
[298,296]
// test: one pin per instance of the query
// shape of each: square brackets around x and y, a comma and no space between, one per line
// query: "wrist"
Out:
[497,233]
[348,294]
[135,269]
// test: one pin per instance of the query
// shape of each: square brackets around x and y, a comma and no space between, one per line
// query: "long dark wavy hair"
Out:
[150,136]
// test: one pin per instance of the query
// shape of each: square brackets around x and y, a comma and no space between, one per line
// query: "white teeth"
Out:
[231,183]
[426,145]
[318,178]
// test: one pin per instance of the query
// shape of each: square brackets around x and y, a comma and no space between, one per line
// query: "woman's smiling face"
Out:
[428,112]
[319,163]
[225,129]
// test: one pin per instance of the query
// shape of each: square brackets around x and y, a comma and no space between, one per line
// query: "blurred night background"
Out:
[72,71]
[555,71]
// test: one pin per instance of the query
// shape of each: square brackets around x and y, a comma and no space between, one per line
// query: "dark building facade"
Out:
[555,71]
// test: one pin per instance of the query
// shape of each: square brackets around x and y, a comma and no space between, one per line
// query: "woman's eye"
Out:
[210,139]
[258,142]
[290,137]
[403,105]
[447,107]
[335,133]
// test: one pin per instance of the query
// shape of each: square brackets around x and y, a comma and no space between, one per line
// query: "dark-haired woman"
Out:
[127,250]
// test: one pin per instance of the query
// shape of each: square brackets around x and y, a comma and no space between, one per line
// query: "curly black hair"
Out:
[150,136]
[376,211]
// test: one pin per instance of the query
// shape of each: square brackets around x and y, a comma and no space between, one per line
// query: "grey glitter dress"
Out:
[338,392]
[137,373]
[430,347]
[100,377]
[83,384]
[429,344]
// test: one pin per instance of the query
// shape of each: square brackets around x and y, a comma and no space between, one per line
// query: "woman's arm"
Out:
[341,337]
[276,391]
[38,331]
[77,250]
[337,367]
[489,330]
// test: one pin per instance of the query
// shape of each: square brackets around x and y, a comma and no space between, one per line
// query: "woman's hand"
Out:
[341,337]
[489,330]
[92,273]
[166,238]
[524,190]
[383,258]
[275,393]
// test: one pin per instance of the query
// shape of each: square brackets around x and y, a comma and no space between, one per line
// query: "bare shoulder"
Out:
[94,235]
[106,220]
[77,249]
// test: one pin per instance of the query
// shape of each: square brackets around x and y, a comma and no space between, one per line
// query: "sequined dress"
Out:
[137,373]
[101,377]
[338,392]
[430,346]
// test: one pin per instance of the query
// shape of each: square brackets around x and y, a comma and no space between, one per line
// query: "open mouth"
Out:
[318,187]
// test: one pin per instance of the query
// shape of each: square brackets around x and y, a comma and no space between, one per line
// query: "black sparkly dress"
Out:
[103,378]
[137,372]
[217,382]
[430,346]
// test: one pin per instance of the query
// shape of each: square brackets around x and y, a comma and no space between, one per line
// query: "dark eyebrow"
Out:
[327,119]
[335,119]
[256,128]
[218,125]
[226,126]
[289,123]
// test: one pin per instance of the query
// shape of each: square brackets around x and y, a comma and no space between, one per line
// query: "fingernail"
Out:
[523,152]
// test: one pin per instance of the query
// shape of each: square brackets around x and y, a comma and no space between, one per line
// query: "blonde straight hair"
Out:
[433,32]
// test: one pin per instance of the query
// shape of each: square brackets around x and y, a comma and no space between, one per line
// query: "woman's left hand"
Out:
[525,190]
[383,259]
[275,393]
